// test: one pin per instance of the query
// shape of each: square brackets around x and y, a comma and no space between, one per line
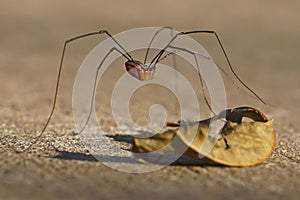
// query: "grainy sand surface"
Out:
[261,38]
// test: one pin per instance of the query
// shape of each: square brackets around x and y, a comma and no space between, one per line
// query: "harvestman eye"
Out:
[138,69]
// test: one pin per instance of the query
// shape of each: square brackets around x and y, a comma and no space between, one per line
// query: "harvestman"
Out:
[140,70]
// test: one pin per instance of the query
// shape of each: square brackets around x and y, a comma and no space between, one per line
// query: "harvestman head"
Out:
[140,70]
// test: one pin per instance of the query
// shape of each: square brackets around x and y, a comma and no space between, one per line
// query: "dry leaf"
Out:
[250,143]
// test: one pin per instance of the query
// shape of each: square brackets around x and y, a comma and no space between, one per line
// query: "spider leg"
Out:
[152,39]
[126,55]
[167,55]
[195,54]
[158,56]
[95,83]
[226,142]
[178,49]
[206,57]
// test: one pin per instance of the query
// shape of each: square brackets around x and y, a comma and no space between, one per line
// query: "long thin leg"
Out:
[172,53]
[195,54]
[204,56]
[126,55]
[151,41]
[167,55]
[188,51]
[158,56]
[94,87]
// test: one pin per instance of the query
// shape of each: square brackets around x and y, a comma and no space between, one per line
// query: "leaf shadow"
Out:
[181,161]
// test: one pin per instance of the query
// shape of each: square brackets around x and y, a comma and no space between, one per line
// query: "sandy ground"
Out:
[262,39]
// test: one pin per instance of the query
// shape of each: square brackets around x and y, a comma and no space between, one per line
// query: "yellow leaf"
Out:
[250,143]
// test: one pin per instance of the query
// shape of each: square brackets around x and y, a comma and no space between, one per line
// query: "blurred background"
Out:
[260,37]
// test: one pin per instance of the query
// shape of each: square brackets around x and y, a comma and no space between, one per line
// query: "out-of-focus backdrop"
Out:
[261,38]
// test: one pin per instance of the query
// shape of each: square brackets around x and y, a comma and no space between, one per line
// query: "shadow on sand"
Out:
[182,161]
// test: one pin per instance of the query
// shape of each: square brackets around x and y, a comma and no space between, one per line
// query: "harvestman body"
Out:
[138,69]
